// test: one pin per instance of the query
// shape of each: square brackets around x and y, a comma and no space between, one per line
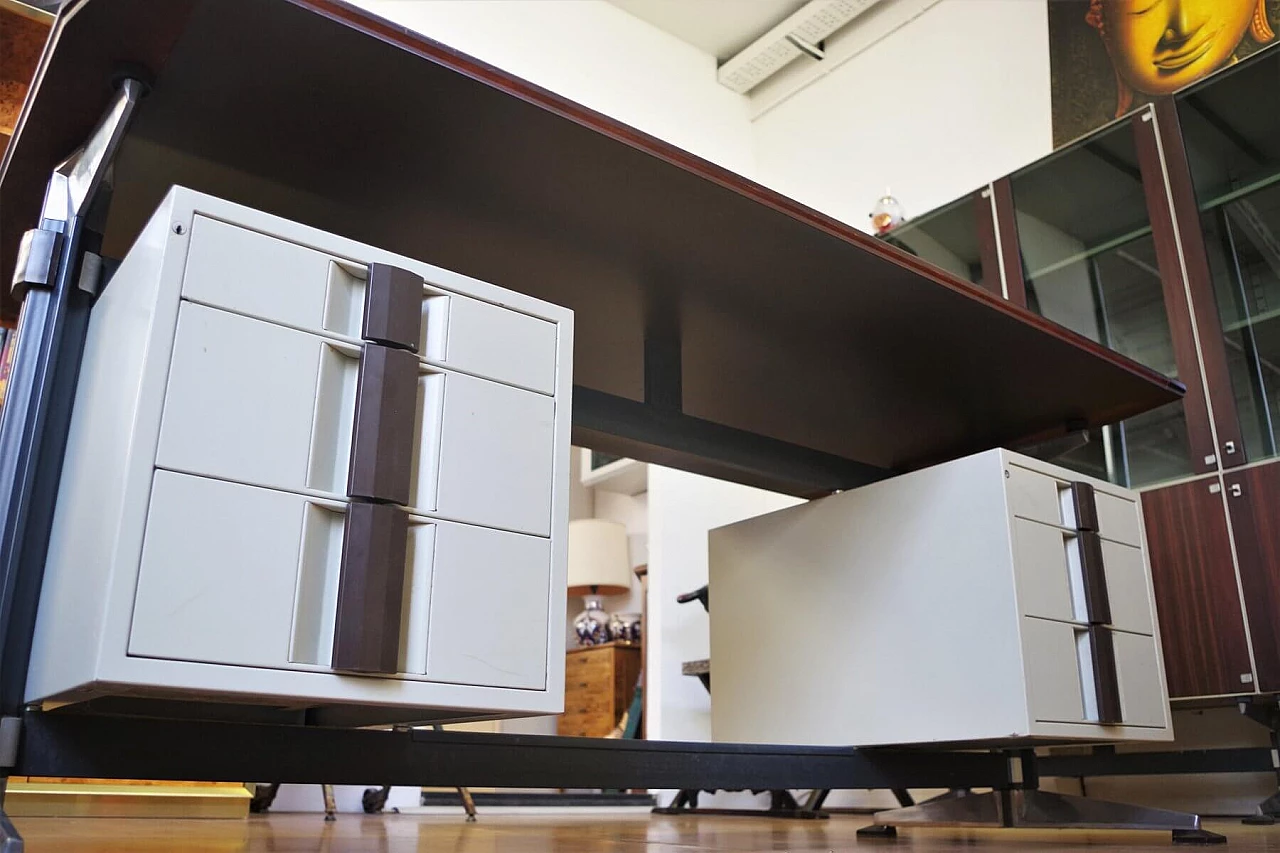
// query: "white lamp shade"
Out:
[598,557]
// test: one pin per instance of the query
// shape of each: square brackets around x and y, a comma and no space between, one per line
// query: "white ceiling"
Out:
[718,27]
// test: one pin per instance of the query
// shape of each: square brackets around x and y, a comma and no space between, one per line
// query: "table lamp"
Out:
[598,565]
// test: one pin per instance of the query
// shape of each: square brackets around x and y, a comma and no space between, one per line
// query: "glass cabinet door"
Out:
[1232,134]
[946,237]
[1089,263]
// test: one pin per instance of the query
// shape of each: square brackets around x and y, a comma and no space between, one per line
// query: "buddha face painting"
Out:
[1159,46]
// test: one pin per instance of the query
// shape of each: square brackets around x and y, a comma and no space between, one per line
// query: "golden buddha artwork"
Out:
[1110,56]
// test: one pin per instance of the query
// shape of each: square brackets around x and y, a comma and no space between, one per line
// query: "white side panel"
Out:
[1054,693]
[1142,699]
[218,574]
[496,455]
[847,620]
[491,341]
[488,617]
[111,439]
[241,403]
[1126,577]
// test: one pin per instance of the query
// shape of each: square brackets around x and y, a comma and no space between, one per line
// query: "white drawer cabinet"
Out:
[276,489]
[995,599]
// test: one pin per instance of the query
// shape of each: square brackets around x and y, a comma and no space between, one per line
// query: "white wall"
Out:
[951,100]
[596,54]
[682,508]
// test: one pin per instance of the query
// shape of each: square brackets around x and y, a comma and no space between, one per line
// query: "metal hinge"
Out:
[37,260]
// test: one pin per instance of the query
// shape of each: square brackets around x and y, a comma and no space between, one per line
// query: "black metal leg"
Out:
[10,840]
[374,800]
[263,797]
[37,407]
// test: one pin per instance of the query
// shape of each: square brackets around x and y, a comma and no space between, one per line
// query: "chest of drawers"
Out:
[304,471]
[993,599]
[599,683]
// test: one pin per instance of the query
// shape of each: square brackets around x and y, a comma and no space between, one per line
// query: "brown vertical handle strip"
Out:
[382,437]
[366,634]
[1095,578]
[1106,682]
[1086,506]
[392,307]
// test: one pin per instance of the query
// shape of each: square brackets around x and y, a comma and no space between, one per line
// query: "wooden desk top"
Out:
[810,356]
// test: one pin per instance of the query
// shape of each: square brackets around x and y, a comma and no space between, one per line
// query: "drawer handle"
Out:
[1096,600]
[366,631]
[1106,683]
[1085,503]
[392,307]
[382,436]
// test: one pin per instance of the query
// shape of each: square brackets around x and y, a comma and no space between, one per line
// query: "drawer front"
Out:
[266,405]
[1043,574]
[1118,519]
[234,574]
[496,456]
[218,573]
[490,606]
[1126,575]
[1053,671]
[282,282]
[1033,495]
[1142,699]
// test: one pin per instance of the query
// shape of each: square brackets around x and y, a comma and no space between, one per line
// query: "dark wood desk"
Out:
[721,327]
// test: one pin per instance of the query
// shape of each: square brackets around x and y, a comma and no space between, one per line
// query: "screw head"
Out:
[177,228]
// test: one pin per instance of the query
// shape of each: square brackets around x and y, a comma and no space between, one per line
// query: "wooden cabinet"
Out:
[1253,497]
[1206,652]
[599,683]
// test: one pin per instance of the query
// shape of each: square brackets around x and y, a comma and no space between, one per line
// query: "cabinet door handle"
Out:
[382,436]
[392,307]
[1236,490]
[1096,600]
[1106,681]
[1086,506]
[366,630]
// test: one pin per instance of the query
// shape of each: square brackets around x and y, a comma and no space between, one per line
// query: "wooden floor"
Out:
[295,833]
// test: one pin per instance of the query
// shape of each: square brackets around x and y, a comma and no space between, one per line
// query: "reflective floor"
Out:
[565,834]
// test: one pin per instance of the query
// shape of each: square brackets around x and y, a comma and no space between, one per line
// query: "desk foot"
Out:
[781,805]
[1197,836]
[1034,809]
[10,840]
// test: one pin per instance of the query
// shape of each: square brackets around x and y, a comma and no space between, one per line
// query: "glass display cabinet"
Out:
[949,238]
[1089,263]
[1159,236]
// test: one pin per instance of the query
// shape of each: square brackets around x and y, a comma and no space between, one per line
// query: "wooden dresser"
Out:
[599,683]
